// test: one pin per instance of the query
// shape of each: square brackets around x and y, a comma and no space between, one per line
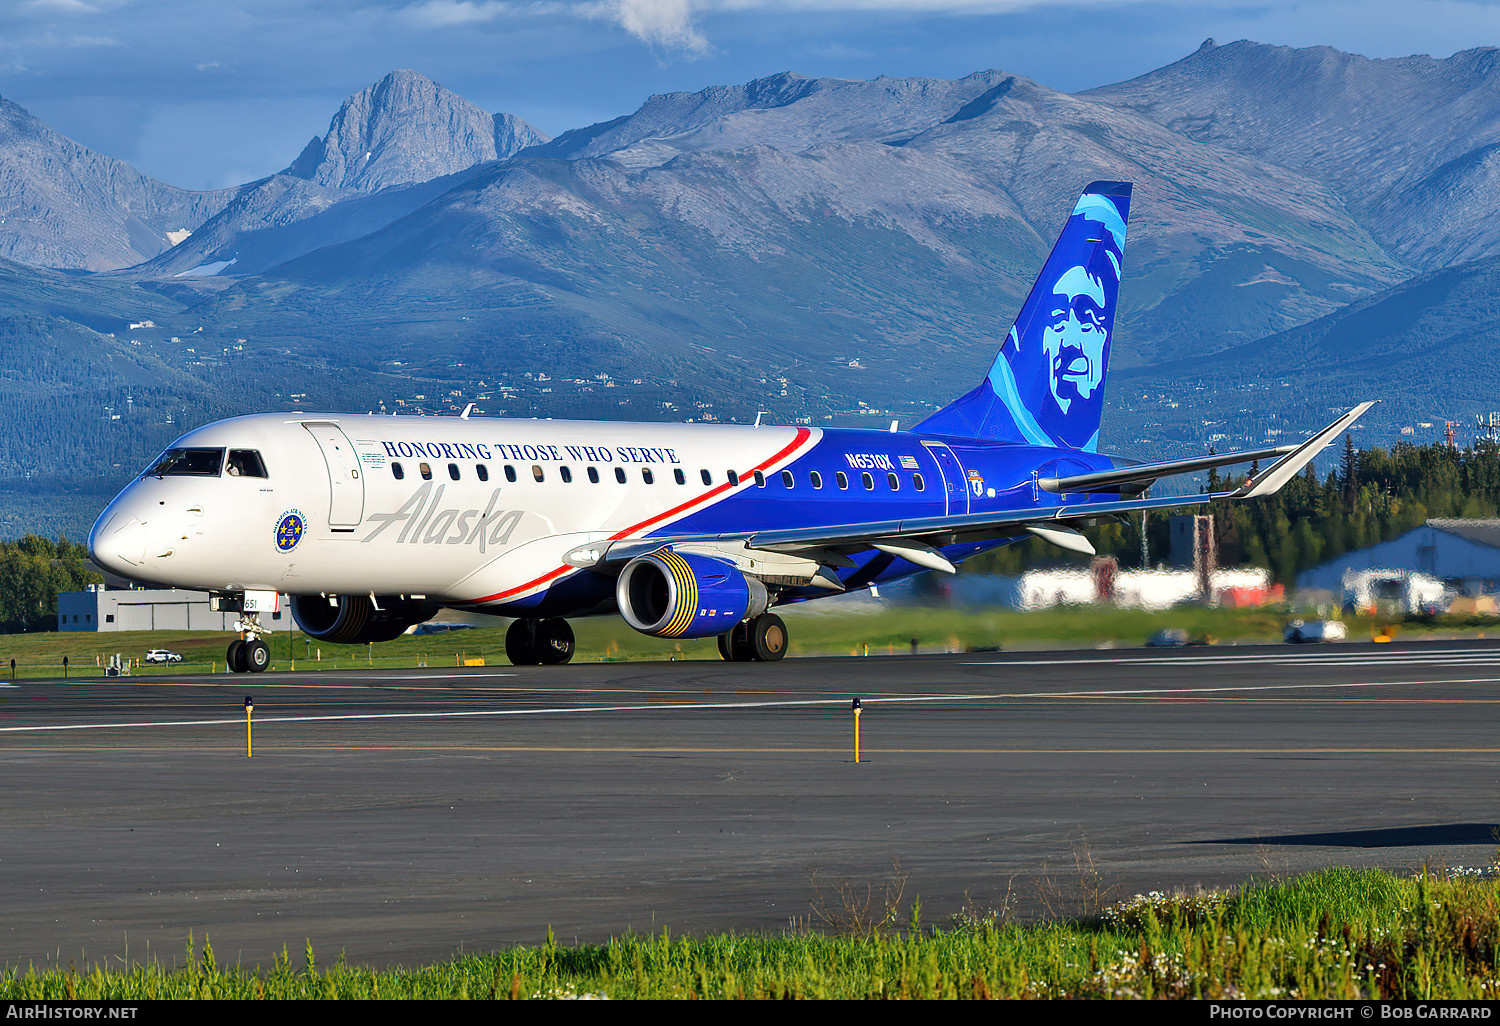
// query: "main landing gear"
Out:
[539,642]
[761,639]
[250,655]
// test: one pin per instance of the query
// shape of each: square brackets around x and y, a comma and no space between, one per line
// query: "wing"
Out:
[1136,478]
[918,539]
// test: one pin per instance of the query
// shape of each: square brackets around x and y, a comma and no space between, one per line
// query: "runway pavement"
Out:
[401,816]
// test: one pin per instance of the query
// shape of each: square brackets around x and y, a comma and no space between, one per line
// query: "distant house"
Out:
[1463,554]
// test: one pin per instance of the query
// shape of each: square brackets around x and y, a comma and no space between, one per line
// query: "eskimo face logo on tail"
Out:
[1074,337]
[1050,374]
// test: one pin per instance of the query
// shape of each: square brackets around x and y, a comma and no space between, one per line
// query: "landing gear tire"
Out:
[256,655]
[768,635]
[554,642]
[235,657]
[763,639]
[737,646]
[520,644]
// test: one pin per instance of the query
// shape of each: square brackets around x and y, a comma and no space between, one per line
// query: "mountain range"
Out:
[1303,222]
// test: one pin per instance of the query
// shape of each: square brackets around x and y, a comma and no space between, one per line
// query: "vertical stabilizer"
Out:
[1046,386]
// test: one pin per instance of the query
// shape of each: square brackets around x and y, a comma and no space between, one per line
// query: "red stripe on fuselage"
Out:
[803,434]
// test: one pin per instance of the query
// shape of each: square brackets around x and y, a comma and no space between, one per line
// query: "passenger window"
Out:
[620,474]
[425,471]
[842,479]
[593,475]
[895,482]
[245,463]
[787,479]
[816,478]
[510,473]
[918,483]
[760,479]
[567,474]
[397,472]
[646,475]
[868,482]
[536,473]
[678,475]
[734,478]
[453,471]
[707,477]
[482,471]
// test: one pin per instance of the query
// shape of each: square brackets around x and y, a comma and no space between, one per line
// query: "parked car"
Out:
[1300,632]
[162,655]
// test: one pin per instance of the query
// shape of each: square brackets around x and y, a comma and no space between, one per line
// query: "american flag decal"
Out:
[909,463]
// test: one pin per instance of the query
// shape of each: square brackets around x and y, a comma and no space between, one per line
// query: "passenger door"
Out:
[955,485]
[346,503]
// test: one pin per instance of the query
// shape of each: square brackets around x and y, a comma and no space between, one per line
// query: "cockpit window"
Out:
[188,463]
[245,463]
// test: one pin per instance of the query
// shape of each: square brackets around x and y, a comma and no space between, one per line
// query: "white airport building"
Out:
[1462,555]
[142,609]
[1151,589]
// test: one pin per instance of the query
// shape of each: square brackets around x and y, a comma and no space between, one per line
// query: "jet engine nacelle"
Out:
[355,620]
[682,595]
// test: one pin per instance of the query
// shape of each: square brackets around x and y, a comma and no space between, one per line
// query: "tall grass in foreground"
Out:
[1339,933]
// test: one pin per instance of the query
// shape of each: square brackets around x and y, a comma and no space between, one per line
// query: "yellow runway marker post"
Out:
[249,708]
[856,730]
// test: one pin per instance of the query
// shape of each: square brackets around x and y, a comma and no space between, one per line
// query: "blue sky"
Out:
[210,93]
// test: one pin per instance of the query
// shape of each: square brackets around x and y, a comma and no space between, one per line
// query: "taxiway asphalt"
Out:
[398,817]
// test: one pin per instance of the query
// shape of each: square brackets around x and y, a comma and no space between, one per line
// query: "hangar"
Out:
[1463,554]
[141,609]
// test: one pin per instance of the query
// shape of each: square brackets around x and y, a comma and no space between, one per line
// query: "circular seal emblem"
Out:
[289,530]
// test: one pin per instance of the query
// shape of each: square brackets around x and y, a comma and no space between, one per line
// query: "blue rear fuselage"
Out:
[853,476]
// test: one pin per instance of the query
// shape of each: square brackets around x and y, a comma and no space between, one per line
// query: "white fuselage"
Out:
[482,511]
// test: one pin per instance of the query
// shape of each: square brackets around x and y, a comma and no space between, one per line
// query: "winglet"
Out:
[1290,465]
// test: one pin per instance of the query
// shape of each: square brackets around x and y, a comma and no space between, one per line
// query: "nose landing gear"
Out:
[250,655]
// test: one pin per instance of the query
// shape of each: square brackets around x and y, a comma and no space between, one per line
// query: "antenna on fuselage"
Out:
[467,410]
[759,414]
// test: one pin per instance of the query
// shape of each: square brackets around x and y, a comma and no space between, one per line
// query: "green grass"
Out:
[608,639]
[1336,934]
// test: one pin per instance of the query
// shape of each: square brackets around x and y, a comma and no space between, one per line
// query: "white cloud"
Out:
[443,13]
[673,24]
[61,7]
[55,39]
[664,23]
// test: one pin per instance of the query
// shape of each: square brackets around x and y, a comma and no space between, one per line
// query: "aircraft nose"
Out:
[118,542]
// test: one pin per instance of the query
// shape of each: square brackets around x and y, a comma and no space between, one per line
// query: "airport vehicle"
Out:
[373,523]
[1311,632]
[162,655]
[1168,637]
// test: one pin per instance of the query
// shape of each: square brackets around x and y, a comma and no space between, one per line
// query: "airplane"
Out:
[371,524]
